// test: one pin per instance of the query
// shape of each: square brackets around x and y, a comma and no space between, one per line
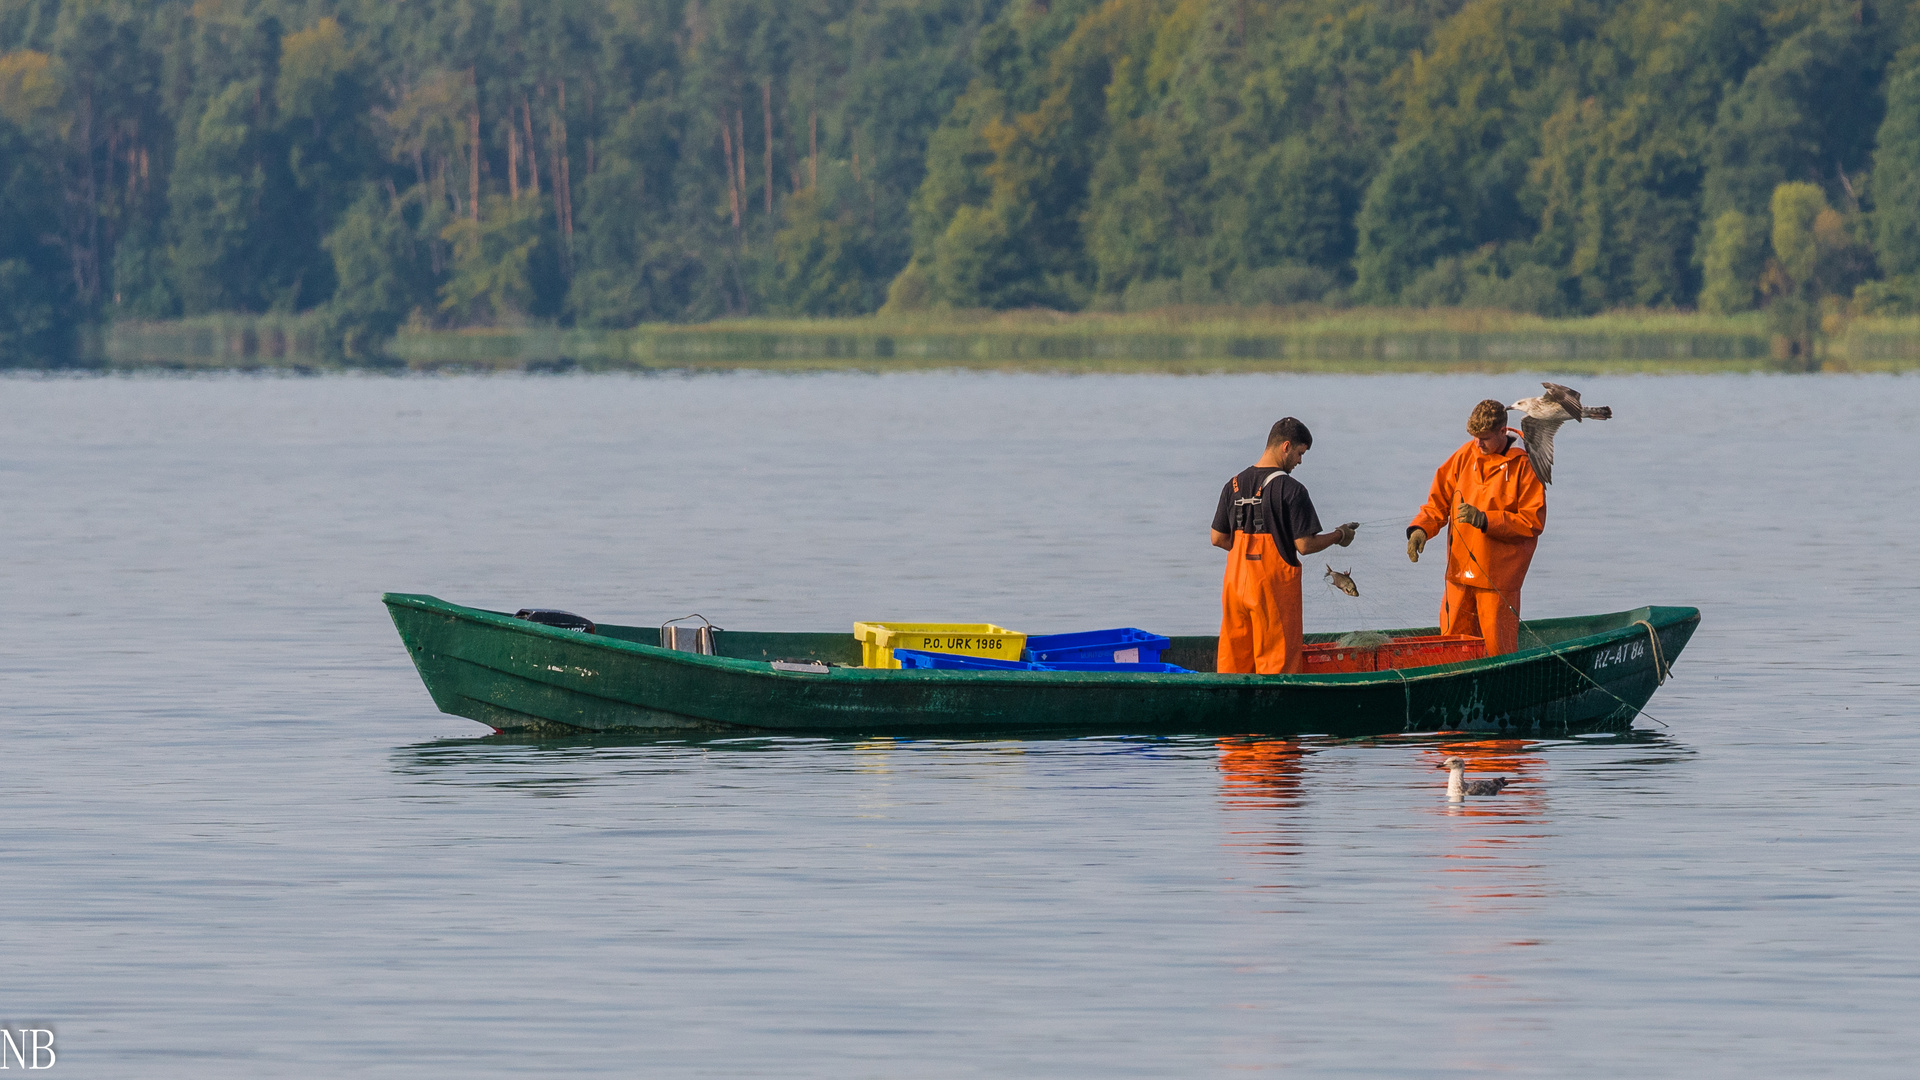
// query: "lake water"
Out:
[240,842]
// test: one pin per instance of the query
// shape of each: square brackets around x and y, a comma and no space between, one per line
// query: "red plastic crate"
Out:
[1332,658]
[1412,652]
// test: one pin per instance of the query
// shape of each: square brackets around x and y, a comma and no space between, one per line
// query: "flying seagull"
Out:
[1459,787]
[1544,415]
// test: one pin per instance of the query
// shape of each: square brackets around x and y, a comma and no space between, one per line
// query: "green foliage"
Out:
[1795,322]
[1896,171]
[1808,108]
[491,278]
[1615,189]
[1490,278]
[1007,232]
[380,268]
[1473,111]
[219,153]
[1795,207]
[217,185]
[1817,250]
[36,304]
[910,291]
[1243,138]
[1268,286]
[1891,296]
[646,160]
[642,254]
[1734,258]
[829,254]
[1817,256]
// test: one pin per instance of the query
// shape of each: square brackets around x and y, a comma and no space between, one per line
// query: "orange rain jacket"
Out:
[1515,502]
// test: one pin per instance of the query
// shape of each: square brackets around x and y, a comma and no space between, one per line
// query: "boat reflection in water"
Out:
[1524,795]
[1263,775]
[1491,838]
[1484,846]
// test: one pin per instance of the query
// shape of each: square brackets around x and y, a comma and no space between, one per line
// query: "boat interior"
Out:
[1194,652]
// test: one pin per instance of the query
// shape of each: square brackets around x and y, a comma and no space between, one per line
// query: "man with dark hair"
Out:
[1494,507]
[1266,521]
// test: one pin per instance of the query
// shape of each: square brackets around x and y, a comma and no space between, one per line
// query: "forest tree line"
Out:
[601,163]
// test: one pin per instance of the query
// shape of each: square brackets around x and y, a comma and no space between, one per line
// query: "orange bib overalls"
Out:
[1260,623]
[1486,567]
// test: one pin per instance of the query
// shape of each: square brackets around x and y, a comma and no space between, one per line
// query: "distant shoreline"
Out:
[1189,340]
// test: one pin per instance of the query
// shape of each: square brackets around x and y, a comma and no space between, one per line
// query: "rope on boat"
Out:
[1658,660]
[1660,665]
[1661,668]
[1638,710]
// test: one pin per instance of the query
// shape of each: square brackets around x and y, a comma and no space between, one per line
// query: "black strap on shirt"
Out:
[1249,512]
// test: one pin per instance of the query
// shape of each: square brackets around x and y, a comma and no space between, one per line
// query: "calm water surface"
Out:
[240,842]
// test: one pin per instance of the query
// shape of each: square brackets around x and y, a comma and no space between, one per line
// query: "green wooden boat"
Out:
[1586,674]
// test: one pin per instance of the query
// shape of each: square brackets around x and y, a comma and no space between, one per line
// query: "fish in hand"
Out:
[1542,417]
[1343,582]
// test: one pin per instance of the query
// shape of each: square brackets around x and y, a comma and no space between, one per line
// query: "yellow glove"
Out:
[1416,543]
[1469,514]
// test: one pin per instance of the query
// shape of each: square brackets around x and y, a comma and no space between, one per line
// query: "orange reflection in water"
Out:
[1496,851]
[1486,759]
[1258,773]
[1262,774]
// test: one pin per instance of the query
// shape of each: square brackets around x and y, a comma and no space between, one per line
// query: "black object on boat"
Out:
[565,620]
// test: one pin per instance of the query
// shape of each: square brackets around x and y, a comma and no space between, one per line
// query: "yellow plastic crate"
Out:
[878,640]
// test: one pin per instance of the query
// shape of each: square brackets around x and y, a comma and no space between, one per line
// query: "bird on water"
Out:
[1459,787]
[1543,417]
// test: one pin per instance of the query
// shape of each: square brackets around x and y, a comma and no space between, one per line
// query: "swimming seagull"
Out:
[1459,787]
[1544,415]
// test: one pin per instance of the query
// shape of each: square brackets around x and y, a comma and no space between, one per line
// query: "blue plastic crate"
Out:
[932,661]
[1124,669]
[1126,645]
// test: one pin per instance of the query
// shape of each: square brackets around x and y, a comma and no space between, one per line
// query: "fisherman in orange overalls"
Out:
[1494,507]
[1266,521]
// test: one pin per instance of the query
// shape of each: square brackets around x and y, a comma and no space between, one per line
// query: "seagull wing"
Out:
[1566,397]
[1539,435]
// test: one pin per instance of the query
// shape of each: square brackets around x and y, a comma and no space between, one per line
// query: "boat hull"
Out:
[1592,674]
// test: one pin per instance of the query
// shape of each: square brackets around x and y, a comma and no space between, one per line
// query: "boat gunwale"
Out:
[1659,616]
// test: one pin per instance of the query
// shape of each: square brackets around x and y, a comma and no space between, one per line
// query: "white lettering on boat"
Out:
[1619,654]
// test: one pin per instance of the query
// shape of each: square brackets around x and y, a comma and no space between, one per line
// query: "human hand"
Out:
[1416,543]
[1469,514]
[1347,533]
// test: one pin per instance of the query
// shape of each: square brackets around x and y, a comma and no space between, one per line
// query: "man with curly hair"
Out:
[1494,508]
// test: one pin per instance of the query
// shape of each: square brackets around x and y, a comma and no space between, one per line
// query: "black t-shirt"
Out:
[1285,505]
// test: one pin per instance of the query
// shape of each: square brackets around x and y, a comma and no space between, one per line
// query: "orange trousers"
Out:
[1492,616]
[1260,622]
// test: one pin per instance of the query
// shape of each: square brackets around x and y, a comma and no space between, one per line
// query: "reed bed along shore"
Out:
[1175,340]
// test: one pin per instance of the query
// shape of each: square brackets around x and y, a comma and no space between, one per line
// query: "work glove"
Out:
[1347,532]
[1416,543]
[1469,514]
